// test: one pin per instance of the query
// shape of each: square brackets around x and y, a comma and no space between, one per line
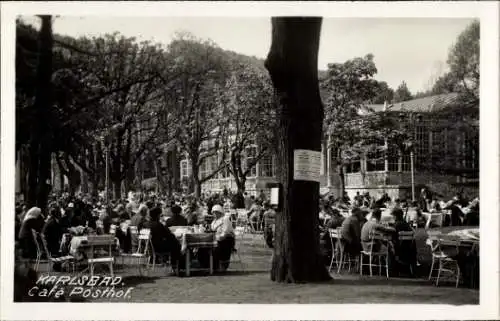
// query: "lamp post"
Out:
[104,142]
[106,155]
[409,145]
[412,169]
[158,153]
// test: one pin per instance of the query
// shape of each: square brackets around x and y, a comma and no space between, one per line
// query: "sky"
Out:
[413,50]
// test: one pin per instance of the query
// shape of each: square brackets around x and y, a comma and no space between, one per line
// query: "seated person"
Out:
[269,217]
[472,217]
[192,214]
[33,220]
[405,251]
[163,241]
[351,232]
[434,206]
[325,213]
[381,202]
[335,220]
[176,219]
[53,232]
[374,226]
[414,216]
[224,234]
[456,214]
[140,217]
[255,215]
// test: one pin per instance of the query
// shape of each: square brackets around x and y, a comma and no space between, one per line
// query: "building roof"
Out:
[422,105]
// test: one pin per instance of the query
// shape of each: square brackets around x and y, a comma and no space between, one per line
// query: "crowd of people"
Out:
[366,218]
[82,214]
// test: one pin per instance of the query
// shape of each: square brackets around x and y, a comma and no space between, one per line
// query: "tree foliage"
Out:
[249,112]
[196,95]
[402,93]
[463,60]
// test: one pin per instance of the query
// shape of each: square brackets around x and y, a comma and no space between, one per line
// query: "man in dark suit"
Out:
[163,241]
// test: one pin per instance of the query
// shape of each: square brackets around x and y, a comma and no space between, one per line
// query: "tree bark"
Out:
[40,143]
[293,66]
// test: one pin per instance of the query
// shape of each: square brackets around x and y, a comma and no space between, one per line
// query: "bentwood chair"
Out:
[39,251]
[345,258]
[443,252]
[334,242]
[144,253]
[382,253]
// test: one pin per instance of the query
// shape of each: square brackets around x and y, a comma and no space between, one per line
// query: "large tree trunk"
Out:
[40,148]
[195,172]
[293,66]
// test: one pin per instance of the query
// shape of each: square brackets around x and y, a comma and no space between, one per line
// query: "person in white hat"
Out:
[224,234]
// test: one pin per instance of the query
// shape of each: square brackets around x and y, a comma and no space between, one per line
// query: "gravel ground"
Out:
[253,285]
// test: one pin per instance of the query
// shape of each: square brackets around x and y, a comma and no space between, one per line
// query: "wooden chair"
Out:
[101,243]
[445,262]
[343,255]
[376,239]
[239,237]
[334,241]
[144,252]
[133,237]
[406,238]
[39,251]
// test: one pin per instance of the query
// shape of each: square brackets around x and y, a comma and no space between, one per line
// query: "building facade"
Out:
[445,158]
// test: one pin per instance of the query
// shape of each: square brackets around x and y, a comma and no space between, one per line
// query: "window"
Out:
[393,158]
[266,166]
[207,167]
[422,147]
[406,162]
[251,154]
[375,161]
[185,170]
[471,151]
[353,166]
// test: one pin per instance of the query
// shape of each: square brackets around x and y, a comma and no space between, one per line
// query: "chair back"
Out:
[377,238]
[133,229]
[200,240]
[406,236]
[334,233]
[144,241]
[242,217]
[239,231]
[101,242]
[45,246]
[35,234]
[269,222]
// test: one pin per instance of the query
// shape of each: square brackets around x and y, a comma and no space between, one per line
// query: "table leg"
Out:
[211,261]
[188,261]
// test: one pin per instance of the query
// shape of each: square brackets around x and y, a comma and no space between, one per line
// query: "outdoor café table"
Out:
[190,239]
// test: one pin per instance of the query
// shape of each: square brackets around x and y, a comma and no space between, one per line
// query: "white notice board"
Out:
[306,165]
[275,196]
